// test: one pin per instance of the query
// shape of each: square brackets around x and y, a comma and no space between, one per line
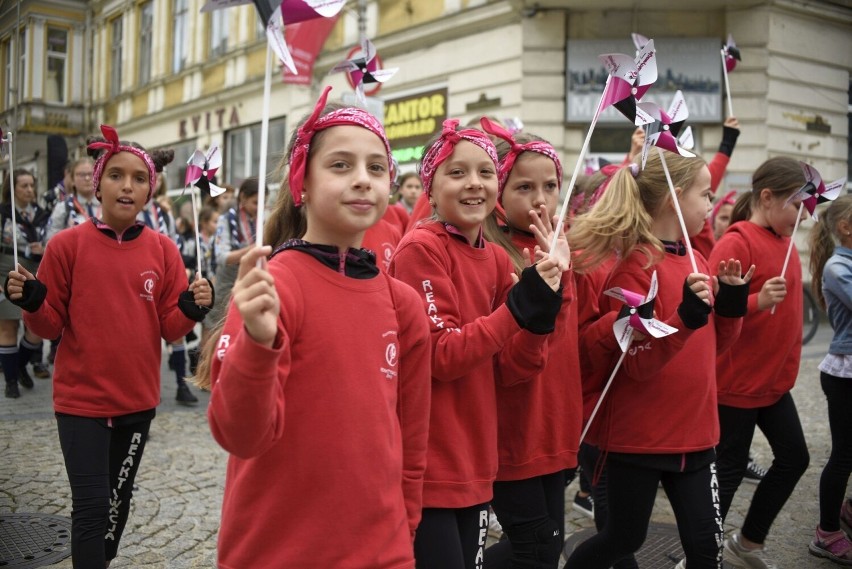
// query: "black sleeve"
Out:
[732,300]
[729,140]
[692,310]
[33,297]
[186,303]
[533,303]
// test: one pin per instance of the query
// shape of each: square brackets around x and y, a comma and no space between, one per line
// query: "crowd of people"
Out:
[426,364]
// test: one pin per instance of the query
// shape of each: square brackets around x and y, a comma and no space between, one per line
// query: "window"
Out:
[115,58]
[175,172]
[8,72]
[218,33]
[21,84]
[146,41]
[243,150]
[57,56]
[181,15]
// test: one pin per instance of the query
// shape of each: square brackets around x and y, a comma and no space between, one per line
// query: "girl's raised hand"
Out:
[201,291]
[730,273]
[255,296]
[699,284]
[550,272]
[771,293]
[15,284]
[542,227]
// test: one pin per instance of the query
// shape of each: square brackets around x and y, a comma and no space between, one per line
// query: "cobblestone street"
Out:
[175,514]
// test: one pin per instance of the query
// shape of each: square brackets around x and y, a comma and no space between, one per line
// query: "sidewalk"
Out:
[175,512]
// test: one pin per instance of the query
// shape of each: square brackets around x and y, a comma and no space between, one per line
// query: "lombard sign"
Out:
[692,65]
[411,121]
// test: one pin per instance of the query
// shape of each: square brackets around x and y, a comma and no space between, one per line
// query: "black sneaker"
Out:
[41,370]
[12,391]
[584,504]
[754,472]
[185,396]
[24,377]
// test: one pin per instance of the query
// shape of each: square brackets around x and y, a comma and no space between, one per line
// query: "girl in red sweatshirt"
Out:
[538,422]
[755,376]
[91,274]
[658,421]
[320,377]
[485,330]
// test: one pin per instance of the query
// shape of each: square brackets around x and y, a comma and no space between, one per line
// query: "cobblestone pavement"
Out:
[175,512]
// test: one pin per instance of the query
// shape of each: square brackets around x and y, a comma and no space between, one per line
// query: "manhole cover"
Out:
[33,540]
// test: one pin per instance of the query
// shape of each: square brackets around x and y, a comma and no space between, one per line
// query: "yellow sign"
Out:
[411,121]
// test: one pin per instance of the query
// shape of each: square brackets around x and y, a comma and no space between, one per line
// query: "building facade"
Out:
[167,75]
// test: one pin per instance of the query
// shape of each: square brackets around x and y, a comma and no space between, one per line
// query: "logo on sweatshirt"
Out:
[391,355]
[149,283]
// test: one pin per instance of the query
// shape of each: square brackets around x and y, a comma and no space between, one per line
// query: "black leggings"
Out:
[781,426]
[532,514]
[631,490]
[451,538]
[835,475]
[589,457]
[101,462]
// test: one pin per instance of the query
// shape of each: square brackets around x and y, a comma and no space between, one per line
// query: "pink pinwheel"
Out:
[364,69]
[637,314]
[663,131]
[201,169]
[639,40]
[731,53]
[815,191]
[630,79]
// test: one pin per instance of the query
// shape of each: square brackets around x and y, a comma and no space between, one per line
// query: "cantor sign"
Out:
[411,121]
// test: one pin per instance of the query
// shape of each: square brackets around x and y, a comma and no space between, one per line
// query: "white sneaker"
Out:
[681,564]
[738,556]
[495,530]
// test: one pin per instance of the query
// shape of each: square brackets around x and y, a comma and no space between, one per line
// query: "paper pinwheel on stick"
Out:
[628,80]
[639,41]
[730,56]
[200,171]
[637,315]
[659,134]
[364,69]
[811,194]
[275,15]
[6,140]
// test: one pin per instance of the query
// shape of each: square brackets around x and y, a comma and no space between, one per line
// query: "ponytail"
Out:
[822,239]
[780,175]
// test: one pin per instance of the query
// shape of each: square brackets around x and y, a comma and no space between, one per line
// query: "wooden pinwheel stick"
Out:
[197,229]
[678,211]
[558,229]
[727,85]
[264,143]
[8,141]
[606,388]
[790,248]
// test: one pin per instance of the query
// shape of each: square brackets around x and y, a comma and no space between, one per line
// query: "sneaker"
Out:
[185,396]
[846,517]
[584,504]
[738,556]
[41,370]
[754,472]
[495,530]
[681,564]
[12,391]
[832,545]
[24,377]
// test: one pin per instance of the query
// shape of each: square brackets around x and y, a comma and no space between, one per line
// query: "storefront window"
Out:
[242,150]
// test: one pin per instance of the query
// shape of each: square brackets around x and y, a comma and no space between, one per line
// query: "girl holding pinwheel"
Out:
[658,422]
[109,286]
[538,422]
[320,376]
[487,327]
[756,376]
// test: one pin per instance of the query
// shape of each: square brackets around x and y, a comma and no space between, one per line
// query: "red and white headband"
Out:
[444,146]
[315,123]
[113,146]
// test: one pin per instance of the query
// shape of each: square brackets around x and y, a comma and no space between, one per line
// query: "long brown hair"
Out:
[822,239]
[622,219]
[781,175]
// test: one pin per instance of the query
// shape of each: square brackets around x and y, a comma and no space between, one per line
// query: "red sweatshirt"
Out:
[112,301]
[663,398]
[331,420]
[422,210]
[764,363]
[382,239]
[538,422]
[397,215]
[476,343]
